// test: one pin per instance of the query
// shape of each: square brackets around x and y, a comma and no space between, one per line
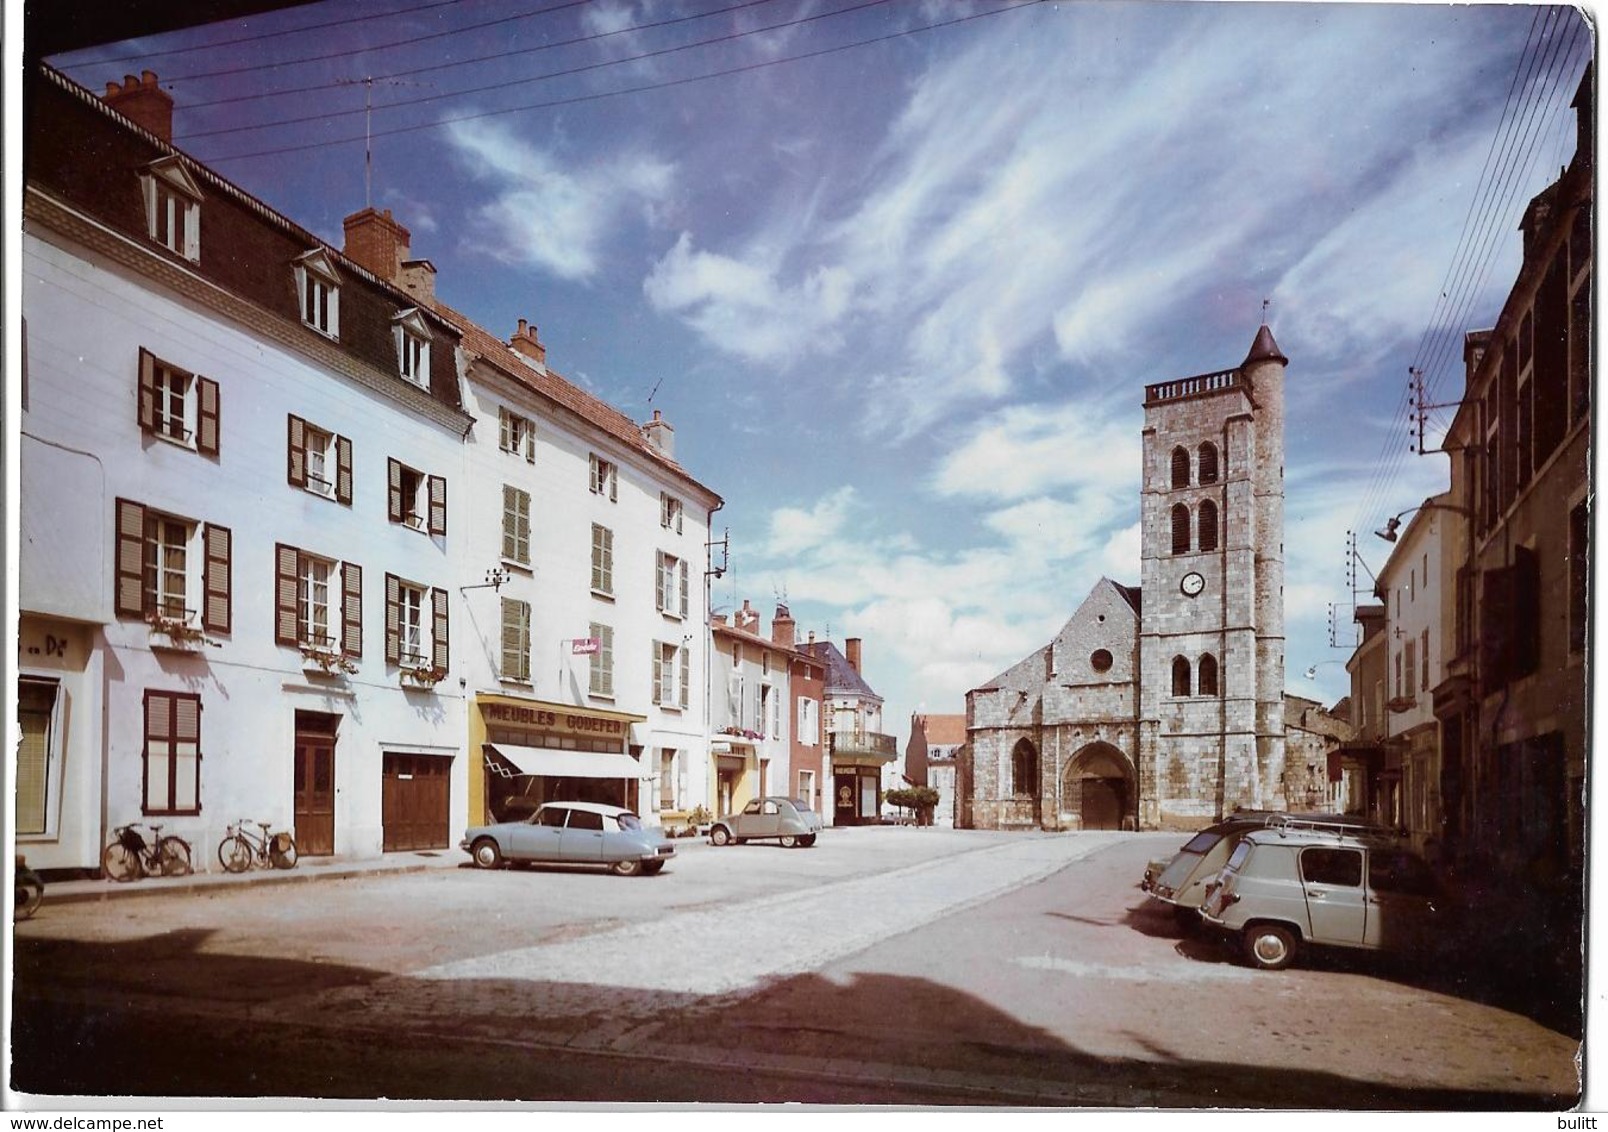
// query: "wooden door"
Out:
[315,795]
[415,802]
[1102,803]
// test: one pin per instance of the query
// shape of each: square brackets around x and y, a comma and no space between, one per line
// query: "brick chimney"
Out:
[417,278]
[144,103]
[851,651]
[660,435]
[378,243]
[782,627]
[526,343]
[747,618]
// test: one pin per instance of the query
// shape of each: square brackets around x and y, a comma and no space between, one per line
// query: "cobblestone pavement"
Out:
[971,968]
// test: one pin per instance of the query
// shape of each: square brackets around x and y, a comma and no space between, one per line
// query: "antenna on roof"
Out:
[368,82]
[655,388]
[1265,304]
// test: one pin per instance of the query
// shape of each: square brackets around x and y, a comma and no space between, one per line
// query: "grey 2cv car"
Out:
[572,833]
[788,820]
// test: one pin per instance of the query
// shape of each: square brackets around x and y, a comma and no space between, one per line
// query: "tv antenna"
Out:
[368,82]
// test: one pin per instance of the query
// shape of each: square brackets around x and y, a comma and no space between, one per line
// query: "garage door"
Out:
[414,803]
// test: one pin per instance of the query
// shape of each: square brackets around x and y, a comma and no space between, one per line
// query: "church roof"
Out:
[1130,594]
[1264,349]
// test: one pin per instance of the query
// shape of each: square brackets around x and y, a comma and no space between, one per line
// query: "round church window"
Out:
[1101,660]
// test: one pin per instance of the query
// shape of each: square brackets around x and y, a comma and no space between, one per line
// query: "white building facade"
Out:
[238,483]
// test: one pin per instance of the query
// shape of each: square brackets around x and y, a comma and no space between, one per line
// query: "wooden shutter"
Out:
[515,639]
[393,619]
[206,429]
[510,539]
[217,543]
[287,587]
[683,587]
[147,391]
[393,504]
[438,505]
[660,590]
[128,590]
[440,658]
[658,672]
[351,609]
[296,472]
[343,470]
[505,421]
[686,674]
[530,442]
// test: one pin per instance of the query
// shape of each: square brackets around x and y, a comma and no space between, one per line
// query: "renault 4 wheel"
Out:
[1269,947]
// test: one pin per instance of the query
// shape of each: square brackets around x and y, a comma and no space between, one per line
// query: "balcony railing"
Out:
[864,745]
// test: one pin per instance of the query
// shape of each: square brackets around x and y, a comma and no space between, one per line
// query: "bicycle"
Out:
[129,856]
[242,848]
[30,891]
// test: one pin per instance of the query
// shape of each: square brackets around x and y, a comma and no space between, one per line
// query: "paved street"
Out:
[883,966]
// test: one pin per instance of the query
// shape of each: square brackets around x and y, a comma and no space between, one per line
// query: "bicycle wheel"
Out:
[234,854]
[121,863]
[282,851]
[30,894]
[173,857]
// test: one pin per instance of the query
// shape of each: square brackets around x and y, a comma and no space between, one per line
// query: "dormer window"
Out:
[172,207]
[320,291]
[412,347]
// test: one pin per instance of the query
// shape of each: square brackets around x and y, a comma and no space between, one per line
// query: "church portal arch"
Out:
[1098,789]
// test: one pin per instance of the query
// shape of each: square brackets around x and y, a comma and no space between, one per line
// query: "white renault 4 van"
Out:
[1283,889]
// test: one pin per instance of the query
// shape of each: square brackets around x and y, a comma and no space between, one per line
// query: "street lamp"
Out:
[1393,524]
[1312,672]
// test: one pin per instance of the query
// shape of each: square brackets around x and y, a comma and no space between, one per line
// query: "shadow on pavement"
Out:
[161,1016]
[1510,973]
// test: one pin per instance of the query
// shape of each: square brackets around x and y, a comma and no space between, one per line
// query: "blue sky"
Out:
[900,300]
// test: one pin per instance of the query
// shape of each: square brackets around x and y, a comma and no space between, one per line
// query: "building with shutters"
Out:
[240,488]
[750,718]
[858,750]
[1512,705]
[302,543]
[581,566]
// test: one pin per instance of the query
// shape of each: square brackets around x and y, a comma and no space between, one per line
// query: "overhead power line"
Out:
[1549,59]
[568,72]
[258,37]
[641,89]
[258,96]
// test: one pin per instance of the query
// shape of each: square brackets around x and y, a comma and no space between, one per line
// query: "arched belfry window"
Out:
[1208,462]
[1180,467]
[1180,676]
[1208,525]
[1024,768]
[1180,529]
[1208,676]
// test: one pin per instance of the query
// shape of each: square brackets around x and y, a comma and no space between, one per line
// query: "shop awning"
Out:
[548,763]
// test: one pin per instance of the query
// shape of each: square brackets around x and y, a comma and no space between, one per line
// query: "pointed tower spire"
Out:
[1264,349]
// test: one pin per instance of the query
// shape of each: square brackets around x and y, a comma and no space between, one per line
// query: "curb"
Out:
[95,891]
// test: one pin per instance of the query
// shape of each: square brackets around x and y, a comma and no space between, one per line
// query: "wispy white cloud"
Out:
[741,304]
[1025,450]
[549,212]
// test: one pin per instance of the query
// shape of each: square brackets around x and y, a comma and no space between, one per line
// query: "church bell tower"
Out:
[1211,648]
